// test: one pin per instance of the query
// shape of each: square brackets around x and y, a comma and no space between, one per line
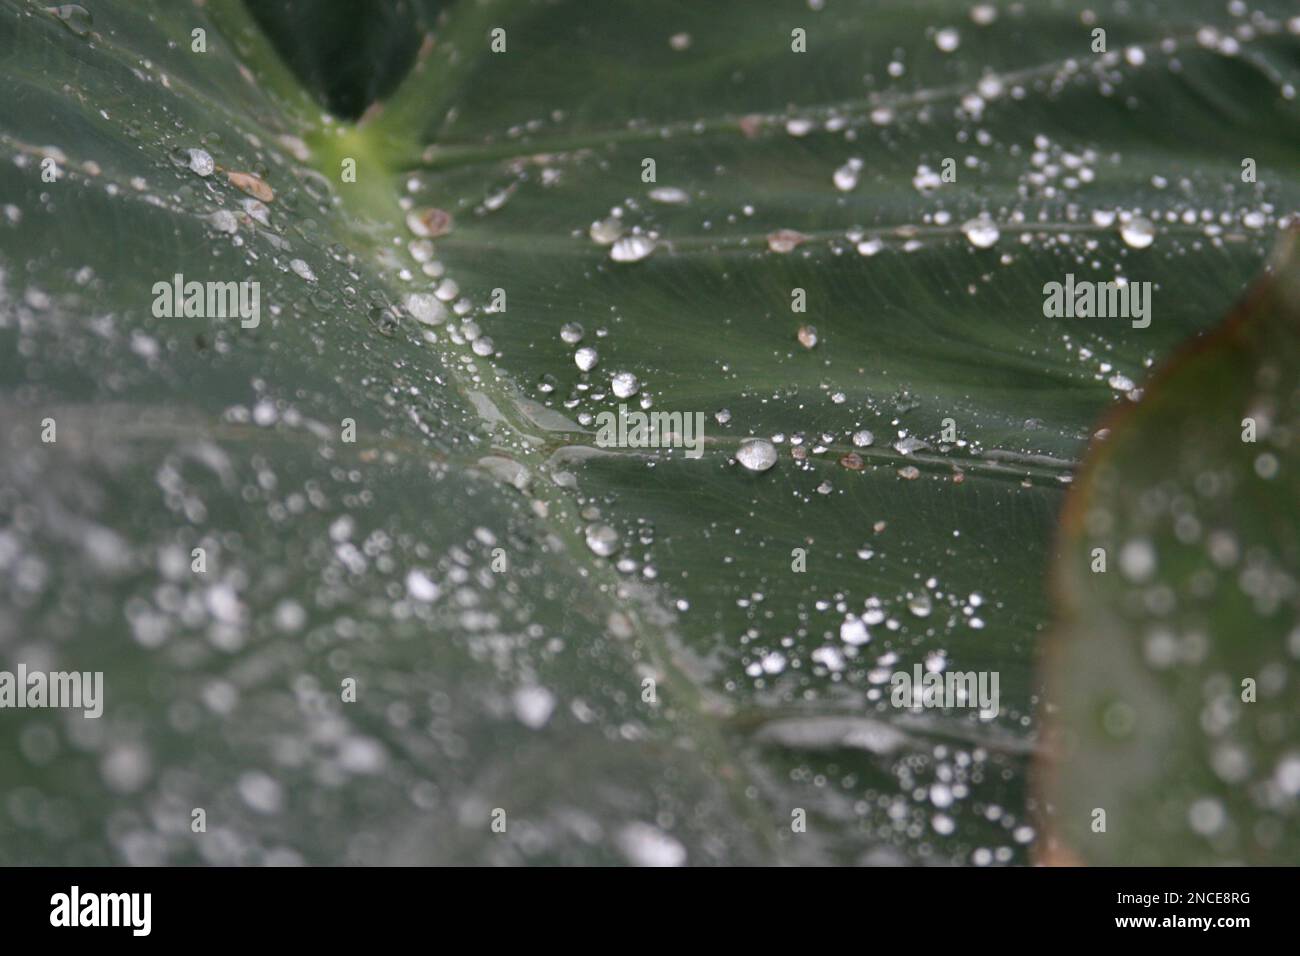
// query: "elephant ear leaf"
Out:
[1176,668]
[365,579]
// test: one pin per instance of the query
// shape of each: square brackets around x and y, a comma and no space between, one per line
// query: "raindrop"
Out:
[863,438]
[981,232]
[854,632]
[605,231]
[602,539]
[426,308]
[429,223]
[585,358]
[670,195]
[1138,233]
[785,240]
[756,454]
[200,161]
[571,333]
[624,384]
[947,39]
[483,346]
[846,177]
[632,249]
[303,270]
[223,220]
[73,16]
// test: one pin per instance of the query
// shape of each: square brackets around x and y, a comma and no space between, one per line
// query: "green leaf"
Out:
[1176,667]
[524,689]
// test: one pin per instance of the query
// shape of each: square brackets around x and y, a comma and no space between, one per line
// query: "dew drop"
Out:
[624,384]
[632,249]
[854,632]
[670,195]
[785,240]
[602,539]
[981,232]
[756,454]
[73,16]
[429,223]
[605,231]
[426,308]
[201,162]
[223,220]
[846,177]
[1138,233]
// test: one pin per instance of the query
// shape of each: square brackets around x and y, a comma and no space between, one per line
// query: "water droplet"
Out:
[585,358]
[426,308]
[483,345]
[869,247]
[722,416]
[854,632]
[785,240]
[303,270]
[73,16]
[571,333]
[947,39]
[670,195]
[920,604]
[257,211]
[429,223]
[223,220]
[201,162]
[981,232]
[1138,232]
[605,231]
[863,438]
[602,539]
[846,177]
[756,454]
[624,384]
[632,249]
[807,336]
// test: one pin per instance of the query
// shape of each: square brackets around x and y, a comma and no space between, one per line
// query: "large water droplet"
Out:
[426,308]
[602,539]
[201,162]
[624,384]
[632,249]
[981,232]
[756,454]
[586,358]
[1138,232]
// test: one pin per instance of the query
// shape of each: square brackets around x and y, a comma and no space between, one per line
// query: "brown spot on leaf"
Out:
[255,186]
